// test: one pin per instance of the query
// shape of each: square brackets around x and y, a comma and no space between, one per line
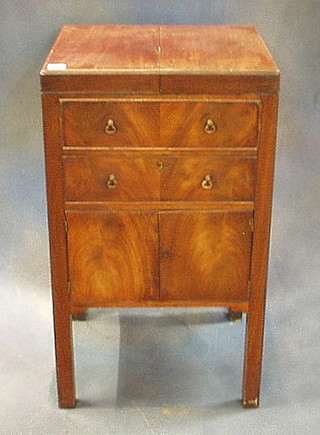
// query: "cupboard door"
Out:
[113,256]
[205,255]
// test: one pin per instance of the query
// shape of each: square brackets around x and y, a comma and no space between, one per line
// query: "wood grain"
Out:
[177,59]
[159,205]
[170,124]
[206,84]
[180,83]
[112,256]
[137,124]
[207,259]
[233,179]
[166,48]
[138,178]
[183,124]
[106,48]
[86,178]
[112,84]
[214,49]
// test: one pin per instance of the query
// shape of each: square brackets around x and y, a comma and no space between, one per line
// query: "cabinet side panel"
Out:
[58,252]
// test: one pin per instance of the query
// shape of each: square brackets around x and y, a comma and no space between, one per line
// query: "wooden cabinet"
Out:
[159,146]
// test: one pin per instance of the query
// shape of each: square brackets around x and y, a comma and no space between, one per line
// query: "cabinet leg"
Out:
[253,360]
[234,316]
[64,359]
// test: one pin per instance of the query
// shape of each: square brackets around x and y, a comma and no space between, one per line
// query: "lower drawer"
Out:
[99,177]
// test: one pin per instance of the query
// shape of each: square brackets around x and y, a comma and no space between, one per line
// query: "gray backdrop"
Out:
[160,371]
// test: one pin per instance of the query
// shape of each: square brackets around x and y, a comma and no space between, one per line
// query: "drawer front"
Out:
[153,124]
[98,177]
[95,177]
[209,124]
[110,124]
[208,179]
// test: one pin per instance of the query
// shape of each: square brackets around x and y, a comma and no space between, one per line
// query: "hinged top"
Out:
[118,49]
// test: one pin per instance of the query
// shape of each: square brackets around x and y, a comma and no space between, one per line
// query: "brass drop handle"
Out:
[112,182]
[210,127]
[207,182]
[110,127]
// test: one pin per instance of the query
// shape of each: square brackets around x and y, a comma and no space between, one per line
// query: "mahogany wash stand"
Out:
[159,144]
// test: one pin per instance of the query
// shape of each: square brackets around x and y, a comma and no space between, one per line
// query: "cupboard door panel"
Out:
[113,256]
[205,255]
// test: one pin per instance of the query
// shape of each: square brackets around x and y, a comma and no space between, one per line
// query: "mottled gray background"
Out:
[160,371]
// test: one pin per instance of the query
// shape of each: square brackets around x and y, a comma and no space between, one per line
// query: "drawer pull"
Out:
[110,127]
[112,182]
[207,182]
[210,126]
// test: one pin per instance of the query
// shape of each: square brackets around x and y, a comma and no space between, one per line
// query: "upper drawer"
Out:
[110,124]
[209,124]
[160,124]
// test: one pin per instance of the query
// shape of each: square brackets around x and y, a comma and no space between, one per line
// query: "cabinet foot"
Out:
[68,405]
[234,316]
[250,403]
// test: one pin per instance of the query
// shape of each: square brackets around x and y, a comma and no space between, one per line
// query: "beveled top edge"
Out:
[112,72]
